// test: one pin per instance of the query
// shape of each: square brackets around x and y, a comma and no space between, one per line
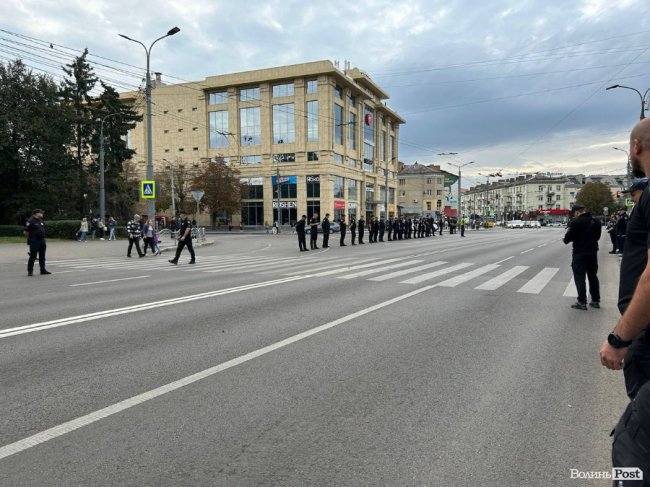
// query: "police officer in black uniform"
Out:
[353,229]
[343,228]
[325,225]
[300,230]
[184,239]
[35,233]
[361,226]
[313,232]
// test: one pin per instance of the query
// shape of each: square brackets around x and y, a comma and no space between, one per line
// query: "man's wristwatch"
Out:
[617,342]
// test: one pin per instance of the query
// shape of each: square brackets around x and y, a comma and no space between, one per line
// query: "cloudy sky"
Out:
[517,86]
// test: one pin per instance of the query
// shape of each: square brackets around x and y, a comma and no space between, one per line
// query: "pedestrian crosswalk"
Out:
[407,270]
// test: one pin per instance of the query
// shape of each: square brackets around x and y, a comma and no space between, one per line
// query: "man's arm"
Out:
[634,321]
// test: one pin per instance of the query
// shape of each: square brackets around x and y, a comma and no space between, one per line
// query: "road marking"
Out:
[385,277]
[507,258]
[537,283]
[355,267]
[526,251]
[20,330]
[571,291]
[88,419]
[455,281]
[111,280]
[375,271]
[540,246]
[432,275]
[499,281]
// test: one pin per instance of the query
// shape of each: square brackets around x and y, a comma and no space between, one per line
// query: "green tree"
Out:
[220,182]
[595,197]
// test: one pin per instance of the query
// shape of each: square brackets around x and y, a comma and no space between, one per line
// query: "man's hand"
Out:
[611,357]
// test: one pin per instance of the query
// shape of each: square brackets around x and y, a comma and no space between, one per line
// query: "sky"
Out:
[515,86]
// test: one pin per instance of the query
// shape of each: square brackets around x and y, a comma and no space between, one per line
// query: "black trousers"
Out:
[353,236]
[133,241]
[361,233]
[313,236]
[586,265]
[462,230]
[637,365]
[36,248]
[342,241]
[184,243]
[326,239]
[302,242]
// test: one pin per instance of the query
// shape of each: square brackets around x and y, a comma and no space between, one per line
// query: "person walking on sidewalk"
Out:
[184,239]
[83,229]
[111,228]
[135,232]
[35,233]
[584,231]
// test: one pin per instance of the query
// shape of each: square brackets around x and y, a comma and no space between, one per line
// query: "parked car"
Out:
[334,228]
[533,224]
[515,224]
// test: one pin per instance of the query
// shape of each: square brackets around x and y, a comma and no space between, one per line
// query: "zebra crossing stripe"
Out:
[500,280]
[537,283]
[432,275]
[455,281]
[571,291]
[392,275]
[355,267]
[376,271]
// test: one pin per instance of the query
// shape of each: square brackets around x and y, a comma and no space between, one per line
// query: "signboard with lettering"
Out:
[284,180]
[252,181]
[339,204]
[313,179]
[285,204]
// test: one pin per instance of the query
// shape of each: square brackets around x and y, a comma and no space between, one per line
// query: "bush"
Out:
[11,231]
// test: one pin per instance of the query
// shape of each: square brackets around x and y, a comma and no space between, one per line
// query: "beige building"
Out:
[326,132]
[421,189]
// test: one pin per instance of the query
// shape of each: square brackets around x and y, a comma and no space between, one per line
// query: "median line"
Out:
[111,280]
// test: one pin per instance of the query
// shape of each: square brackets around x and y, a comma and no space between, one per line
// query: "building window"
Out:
[438,192]
[312,156]
[284,127]
[429,180]
[558,188]
[558,198]
[353,184]
[352,130]
[540,198]
[352,162]
[180,130]
[288,186]
[428,205]
[313,186]
[439,180]
[370,191]
[194,129]
[195,148]
[250,159]
[312,121]
[352,100]
[312,86]
[402,181]
[217,97]
[402,193]
[283,90]
[166,131]
[540,188]
[367,165]
[166,150]
[194,109]
[219,129]
[338,92]
[252,213]
[338,124]
[338,158]
[248,94]
[180,110]
[382,146]
[313,208]
[250,128]
[339,187]
[391,148]
[181,149]
[429,192]
[285,157]
[252,191]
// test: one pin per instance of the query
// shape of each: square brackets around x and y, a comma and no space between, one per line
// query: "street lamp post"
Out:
[460,166]
[150,207]
[171,171]
[644,100]
[628,175]
[102,193]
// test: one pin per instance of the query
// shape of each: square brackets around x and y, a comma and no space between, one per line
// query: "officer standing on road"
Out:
[300,230]
[382,228]
[343,228]
[184,239]
[135,232]
[325,225]
[628,345]
[35,233]
[462,226]
[313,232]
[353,229]
[584,231]
[362,226]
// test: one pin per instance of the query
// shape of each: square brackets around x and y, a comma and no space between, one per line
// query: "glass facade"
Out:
[312,86]
[248,94]
[353,184]
[250,159]
[218,97]
[252,212]
[284,127]
[219,129]
[313,186]
[339,187]
[312,156]
[249,126]
[283,90]
[352,130]
[338,124]
[312,121]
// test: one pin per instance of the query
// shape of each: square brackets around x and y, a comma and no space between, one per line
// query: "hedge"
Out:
[63,229]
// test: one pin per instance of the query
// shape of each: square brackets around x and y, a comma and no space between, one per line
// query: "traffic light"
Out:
[618,194]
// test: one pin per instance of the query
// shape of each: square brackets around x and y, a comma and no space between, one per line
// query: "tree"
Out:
[222,188]
[183,181]
[595,197]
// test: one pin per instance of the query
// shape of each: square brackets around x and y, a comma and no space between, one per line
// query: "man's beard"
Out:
[637,171]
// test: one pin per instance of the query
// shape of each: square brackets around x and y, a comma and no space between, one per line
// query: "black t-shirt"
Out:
[35,228]
[185,224]
[635,252]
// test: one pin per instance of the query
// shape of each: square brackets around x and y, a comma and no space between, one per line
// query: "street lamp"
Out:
[643,97]
[459,166]
[150,207]
[102,194]
[628,176]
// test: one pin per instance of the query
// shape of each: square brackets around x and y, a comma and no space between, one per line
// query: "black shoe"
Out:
[172,261]
[315,248]
[579,305]
[45,273]
[595,304]
[128,256]
[192,261]
[30,274]
[612,252]
[142,255]
[343,245]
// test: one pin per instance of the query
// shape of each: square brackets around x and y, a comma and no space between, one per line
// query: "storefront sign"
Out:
[339,204]
[284,180]
[353,205]
[313,179]
[285,204]
[252,181]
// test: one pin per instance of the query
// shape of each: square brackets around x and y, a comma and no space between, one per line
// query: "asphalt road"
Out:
[445,361]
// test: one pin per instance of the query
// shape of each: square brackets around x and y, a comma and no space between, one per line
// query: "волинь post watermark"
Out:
[617,473]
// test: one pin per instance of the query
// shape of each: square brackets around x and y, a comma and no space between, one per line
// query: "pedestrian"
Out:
[382,229]
[35,233]
[627,347]
[300,230]
[83,229]
[611,230]
[325,225]
[313,231]
[111,228]
[148,237]
[361,225]
[135,233]
[343,229]
[184,239]
[462,226]
[353,229]
[584,231]
[93,228]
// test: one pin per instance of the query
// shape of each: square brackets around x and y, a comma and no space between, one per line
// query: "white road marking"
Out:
[540,246]
[111,280]
[355,267]
[392,275]
[455,281]
[571,291]
[140,307]
[500,280]
[503,260]
[88,419]
[375,271]
[537,283]
[526,251]
[432,275]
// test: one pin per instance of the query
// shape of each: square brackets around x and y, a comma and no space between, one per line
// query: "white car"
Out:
[533,224]
[515,224]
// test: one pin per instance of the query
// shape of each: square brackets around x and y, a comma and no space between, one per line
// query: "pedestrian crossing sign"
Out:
[148,190]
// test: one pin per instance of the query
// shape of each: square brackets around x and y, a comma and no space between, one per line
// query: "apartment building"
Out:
[421,189]
[306,138]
